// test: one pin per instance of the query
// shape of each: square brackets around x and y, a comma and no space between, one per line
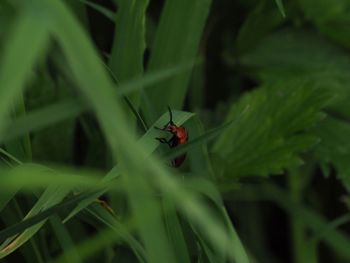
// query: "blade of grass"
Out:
[149,142]
[18,59]
[50,197]
[89,73]
[280,6]
[177,39]
[105,217]
[39,217]
[126,60]
[71,108]
[101,9]
[175,231]
[64,239]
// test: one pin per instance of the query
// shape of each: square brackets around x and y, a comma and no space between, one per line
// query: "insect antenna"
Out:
[170,116]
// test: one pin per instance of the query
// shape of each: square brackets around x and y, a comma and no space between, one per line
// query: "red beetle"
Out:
[180,136]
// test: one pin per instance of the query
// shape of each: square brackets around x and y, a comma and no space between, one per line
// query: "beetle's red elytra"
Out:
[180,136]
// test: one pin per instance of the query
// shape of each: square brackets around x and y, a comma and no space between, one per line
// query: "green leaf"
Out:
[101,9]
[334,148]
[331,18]
[148,140]
[280,6]
[176,41]
[126,60]
[304,55]
[273,131]
[18,60]
[120,229]
[52,196]
[260,21]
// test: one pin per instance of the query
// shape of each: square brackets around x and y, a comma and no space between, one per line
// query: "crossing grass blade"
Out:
[140,178]
[90,74]
[149,143]
[121,230]
[71,108]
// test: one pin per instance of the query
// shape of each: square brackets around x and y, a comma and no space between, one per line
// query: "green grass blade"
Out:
[176,41]
[71,108]
[109,220]
[41,118]
[33,220]
[90,74]
[18,59]
[126,60]
[101,9]
[175,231]
[151,144]
[280,6]
[64,238]
[50,197]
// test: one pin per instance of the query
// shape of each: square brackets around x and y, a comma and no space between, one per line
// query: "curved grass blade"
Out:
[35,219]
[71,108]
[121,230]
[64,239]
[149,143]
[110,15]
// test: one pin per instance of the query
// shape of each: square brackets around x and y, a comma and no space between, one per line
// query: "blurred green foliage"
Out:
[261,87]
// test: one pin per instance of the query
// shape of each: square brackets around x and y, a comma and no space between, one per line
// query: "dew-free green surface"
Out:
[266,110]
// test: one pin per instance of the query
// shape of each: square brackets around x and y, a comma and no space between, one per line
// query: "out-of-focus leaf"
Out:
[331,17]
[304,54]
[18,60]
[280,6]
[334,148]
[269,137]
[101,9]
[258,23]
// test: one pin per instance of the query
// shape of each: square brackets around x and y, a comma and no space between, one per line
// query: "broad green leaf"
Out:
[259,22]
[304,54]
[331,18]
[273,131]
[334,148]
